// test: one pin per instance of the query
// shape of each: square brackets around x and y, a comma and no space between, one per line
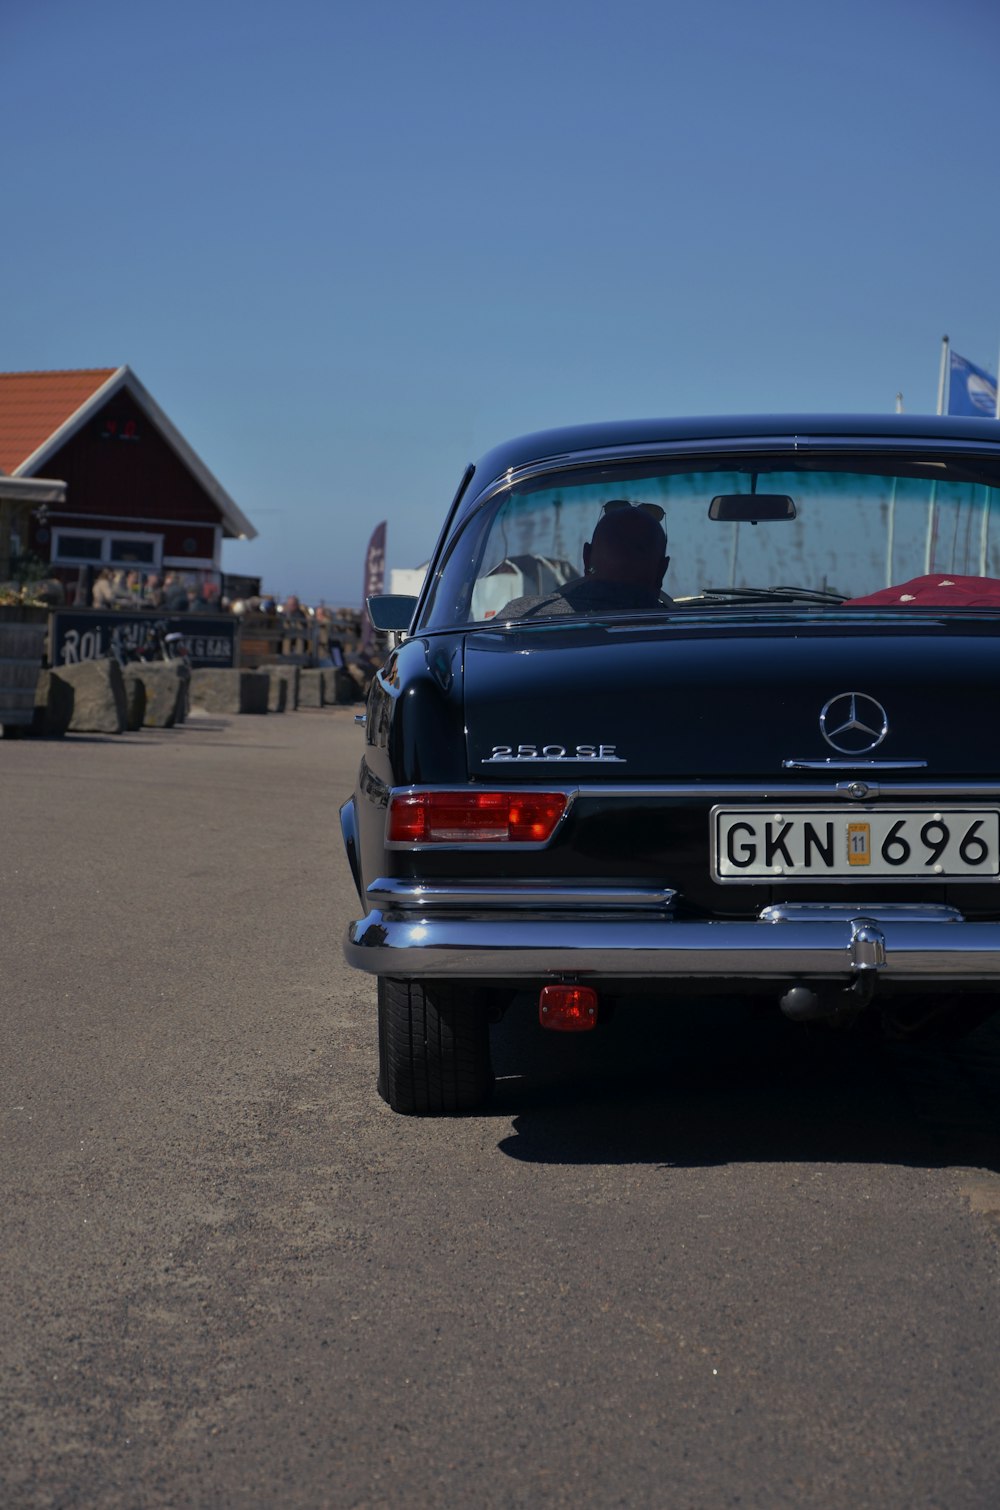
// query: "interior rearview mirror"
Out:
[751,508]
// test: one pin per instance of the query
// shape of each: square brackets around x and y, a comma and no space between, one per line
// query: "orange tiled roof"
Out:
[33,405]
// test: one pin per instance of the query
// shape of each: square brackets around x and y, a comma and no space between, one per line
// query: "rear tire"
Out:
[434,1048]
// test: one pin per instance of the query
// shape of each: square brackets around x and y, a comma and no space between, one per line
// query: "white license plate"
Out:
[811,844]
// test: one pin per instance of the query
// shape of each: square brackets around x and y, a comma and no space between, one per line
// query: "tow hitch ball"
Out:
[866,958]
[803,1004]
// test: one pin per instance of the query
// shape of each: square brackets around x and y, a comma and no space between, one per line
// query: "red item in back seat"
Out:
[936,590]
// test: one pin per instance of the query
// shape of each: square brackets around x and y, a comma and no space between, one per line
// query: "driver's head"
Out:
[629,546]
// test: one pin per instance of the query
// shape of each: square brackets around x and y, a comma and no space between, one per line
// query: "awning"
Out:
[31,489]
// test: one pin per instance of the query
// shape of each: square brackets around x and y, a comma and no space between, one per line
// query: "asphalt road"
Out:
[696,1260]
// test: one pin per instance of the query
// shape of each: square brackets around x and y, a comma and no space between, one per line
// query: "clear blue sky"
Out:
[350,247]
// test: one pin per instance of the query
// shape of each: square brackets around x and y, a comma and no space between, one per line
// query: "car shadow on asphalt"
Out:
[709,1083]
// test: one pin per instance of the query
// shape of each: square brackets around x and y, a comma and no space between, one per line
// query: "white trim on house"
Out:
[106,558]
[100,521]
[126,378]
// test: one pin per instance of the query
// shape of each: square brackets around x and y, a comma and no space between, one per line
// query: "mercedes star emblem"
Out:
[853,723]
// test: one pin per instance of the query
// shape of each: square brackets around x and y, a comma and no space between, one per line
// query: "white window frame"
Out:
[106,558]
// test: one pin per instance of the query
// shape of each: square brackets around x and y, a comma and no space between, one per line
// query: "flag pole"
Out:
[890,534]
[942,375]
[931,508]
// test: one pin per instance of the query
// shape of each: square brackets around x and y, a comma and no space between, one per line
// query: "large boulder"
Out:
[323,686]
[229,691]
[284,690]
[135,702]
[165,684]
[53,707]
[342,686]
[98,691]
[311,689]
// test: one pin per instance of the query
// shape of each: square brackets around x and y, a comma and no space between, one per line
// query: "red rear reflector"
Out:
[473,817]
[568,1009]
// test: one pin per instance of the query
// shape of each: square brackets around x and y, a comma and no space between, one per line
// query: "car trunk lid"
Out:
[743,698]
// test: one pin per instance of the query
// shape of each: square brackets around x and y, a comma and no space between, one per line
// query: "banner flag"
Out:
[374,577]
[970,390]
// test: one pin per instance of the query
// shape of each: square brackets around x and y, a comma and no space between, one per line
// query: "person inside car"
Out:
[624,564]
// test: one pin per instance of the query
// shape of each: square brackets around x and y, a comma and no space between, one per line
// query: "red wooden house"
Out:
[137,495]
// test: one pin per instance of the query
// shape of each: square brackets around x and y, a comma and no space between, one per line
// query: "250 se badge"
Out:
[906,843]
[604,753]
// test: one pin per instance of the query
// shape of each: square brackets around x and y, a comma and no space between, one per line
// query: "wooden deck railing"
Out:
[265,639]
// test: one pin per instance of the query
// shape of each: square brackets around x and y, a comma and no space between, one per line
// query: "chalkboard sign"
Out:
[85,635]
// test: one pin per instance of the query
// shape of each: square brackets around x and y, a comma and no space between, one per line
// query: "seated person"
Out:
[623,564]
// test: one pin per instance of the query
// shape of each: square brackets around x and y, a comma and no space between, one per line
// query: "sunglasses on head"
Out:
[615,505]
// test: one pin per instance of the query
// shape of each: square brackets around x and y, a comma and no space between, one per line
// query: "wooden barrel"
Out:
[21,648]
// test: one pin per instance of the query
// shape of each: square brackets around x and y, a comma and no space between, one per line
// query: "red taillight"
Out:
[568,1009]
[473,817]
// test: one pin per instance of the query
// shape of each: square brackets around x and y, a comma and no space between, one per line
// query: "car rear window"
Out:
[922,530]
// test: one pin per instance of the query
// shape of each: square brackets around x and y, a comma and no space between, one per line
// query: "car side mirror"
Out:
[391,612]
[749,508]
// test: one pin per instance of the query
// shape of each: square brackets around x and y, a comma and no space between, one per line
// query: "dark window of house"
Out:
[79,547]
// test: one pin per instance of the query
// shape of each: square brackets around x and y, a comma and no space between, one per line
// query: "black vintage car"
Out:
[766,764]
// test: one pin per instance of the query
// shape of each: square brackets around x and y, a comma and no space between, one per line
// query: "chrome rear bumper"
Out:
[511,933]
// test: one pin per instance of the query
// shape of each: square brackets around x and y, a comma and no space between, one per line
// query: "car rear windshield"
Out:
[768,531]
